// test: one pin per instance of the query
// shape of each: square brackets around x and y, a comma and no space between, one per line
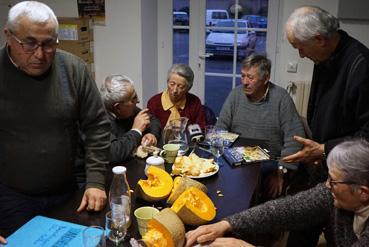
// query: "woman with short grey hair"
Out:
[176,101]
[184,71]
[352,159]
[341,206]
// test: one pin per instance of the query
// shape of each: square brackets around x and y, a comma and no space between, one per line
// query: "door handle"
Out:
[206,55]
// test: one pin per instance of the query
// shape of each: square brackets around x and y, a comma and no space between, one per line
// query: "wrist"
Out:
[137,130]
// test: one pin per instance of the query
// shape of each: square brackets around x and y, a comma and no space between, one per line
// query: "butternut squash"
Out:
[157,186]
[194,207]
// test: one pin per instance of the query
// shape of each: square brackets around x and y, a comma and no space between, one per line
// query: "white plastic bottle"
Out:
[120,195]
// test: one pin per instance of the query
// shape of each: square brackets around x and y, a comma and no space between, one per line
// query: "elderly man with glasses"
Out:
[131,126]
[47,97]
[341,205]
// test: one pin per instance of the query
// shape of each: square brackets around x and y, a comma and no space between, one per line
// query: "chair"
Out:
[210,117]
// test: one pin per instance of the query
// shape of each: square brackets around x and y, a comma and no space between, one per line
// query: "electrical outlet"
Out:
[292,67]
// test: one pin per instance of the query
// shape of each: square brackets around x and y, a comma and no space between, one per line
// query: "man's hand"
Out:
[3,240]
[207,233]
[149,140]
[311,152]
[142,120]
[93,200]
[221,242]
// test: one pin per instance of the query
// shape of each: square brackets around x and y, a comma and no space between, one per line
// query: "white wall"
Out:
[132,43]
[286,53]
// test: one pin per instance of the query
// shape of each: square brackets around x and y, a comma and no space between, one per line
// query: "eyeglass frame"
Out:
[54,43]
[332,183]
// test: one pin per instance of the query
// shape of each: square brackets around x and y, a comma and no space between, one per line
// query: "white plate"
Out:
[204,175]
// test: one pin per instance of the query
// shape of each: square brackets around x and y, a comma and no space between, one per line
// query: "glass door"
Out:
[213,37]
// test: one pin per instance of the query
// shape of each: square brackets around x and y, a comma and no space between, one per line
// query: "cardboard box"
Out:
[74,47]
[74,29]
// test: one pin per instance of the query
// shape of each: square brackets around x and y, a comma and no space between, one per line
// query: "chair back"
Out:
[210,117]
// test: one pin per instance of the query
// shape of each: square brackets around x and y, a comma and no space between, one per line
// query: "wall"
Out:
[132,43]
[285,52]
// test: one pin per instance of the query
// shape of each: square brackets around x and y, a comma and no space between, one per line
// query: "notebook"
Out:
[44,232]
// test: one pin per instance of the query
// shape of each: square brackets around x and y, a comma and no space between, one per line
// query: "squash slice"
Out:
[180,184]
[165,230]
[157,186]
[194,207]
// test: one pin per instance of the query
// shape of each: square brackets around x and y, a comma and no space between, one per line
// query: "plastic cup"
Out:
[144,215]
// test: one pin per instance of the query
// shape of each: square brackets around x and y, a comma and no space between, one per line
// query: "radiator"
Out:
[299,91]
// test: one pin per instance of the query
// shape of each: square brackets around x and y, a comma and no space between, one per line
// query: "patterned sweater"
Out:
[305,210]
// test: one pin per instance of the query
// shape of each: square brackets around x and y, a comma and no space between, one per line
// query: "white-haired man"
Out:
[46,97]
[131,126]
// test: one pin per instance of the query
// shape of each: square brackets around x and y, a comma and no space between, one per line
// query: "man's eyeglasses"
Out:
[332,183]
[31,46]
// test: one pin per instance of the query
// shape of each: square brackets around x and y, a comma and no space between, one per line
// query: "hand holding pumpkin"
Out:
[207,233]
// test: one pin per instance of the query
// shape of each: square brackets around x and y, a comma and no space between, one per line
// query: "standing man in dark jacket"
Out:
[339,98]
[46,97]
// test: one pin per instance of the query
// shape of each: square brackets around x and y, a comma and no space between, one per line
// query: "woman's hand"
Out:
[207,233]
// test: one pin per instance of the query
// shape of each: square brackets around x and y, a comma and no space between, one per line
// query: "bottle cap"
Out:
[119,169]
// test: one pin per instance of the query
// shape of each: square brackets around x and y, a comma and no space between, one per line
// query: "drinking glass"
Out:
[115,227]
[217,146]
[93,236]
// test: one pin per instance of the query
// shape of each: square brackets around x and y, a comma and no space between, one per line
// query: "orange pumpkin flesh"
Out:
[157,186]
[194,207]
[180,184]
[165,230]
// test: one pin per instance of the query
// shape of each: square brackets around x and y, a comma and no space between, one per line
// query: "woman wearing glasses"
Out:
[341,205]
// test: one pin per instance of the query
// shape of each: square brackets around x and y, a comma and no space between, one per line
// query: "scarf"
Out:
[168,105]
[360,218]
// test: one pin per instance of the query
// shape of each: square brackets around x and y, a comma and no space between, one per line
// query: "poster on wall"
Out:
[94,9]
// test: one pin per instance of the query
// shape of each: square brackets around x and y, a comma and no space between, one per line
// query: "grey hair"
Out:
[263,64]
[352,159]
[307,22]
[115,89]
[184,71]
[36,12]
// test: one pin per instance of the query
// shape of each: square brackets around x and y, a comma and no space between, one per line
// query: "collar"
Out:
[167,103]
[262,99]
[10,58]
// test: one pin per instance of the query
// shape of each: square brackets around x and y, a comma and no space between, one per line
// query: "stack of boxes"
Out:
[76,36]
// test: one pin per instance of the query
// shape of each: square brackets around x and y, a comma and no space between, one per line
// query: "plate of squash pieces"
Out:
[193,166]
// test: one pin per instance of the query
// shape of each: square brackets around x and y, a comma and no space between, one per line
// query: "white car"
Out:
[220,42]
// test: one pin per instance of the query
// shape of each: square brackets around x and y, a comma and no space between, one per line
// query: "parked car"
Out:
[214,15]
[221,42]
[180,18]
[256,21]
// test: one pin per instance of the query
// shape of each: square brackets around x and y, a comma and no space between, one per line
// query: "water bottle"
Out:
[120,195]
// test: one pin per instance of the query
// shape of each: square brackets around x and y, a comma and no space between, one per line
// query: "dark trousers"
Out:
[16,208]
